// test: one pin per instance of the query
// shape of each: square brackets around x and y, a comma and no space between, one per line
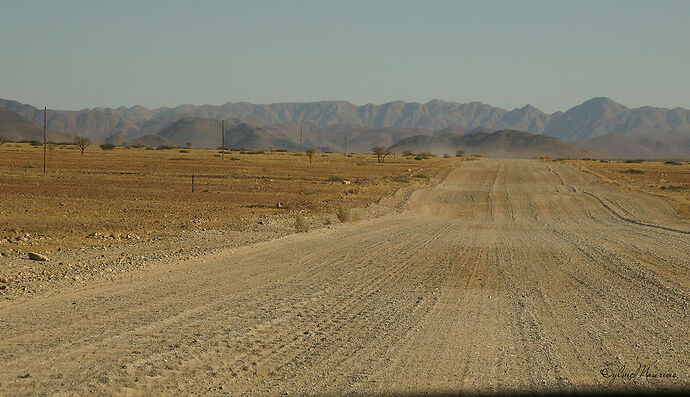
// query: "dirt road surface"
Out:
[500,275]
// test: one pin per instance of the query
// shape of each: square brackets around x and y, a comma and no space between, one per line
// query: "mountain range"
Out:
[660,132]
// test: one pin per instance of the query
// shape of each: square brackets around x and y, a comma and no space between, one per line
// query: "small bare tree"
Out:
[82,143]
[380,153]
[310,153]
[189,145]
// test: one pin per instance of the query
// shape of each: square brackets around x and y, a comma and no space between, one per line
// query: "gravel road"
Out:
[500,275]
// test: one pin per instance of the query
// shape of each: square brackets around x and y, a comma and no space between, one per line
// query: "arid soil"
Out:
[668,179]
[112,196]
[500,275]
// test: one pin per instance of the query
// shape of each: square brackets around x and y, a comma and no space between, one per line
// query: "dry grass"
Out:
[343,214]
[144,192]
[670,180]
[301,224]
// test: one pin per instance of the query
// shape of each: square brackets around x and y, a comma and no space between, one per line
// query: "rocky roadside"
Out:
[112,257]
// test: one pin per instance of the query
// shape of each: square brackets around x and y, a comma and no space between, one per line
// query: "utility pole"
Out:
[345,145]
[300,138]
[222,138]
[45,136]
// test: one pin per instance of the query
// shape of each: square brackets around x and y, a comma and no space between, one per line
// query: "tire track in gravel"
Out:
[502,275]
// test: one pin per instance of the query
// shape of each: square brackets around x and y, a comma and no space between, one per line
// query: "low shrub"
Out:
[674,187]
[184,151]
[671,162]
[301,224]
[343,214]
[401,179]
[632,171]
[334,179]
[107,146]
[638,161]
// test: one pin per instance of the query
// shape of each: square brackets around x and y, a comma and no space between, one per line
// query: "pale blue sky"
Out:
[551,54]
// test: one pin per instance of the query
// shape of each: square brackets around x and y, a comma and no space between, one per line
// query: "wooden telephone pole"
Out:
[45,136]
[300,138]
[345,145]
[222,138]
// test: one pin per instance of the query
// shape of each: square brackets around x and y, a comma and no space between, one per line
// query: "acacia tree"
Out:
[82,143]
[380,153]
[310,153]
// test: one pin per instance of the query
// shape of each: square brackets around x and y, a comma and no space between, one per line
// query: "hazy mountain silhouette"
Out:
[326,122]
[15,127]
[649,146]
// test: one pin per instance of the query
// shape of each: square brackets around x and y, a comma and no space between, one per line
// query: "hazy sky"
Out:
[551,54]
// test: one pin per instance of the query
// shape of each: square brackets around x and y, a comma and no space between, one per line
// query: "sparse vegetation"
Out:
[671,162]
[638,161]
[380,153]
[82,143]
[310,152]
[401,179]
[334,179]
[661,178]
[632,171]
[343,214]
[459,153]
[674,187]
[155,185]
[301,224]
[107,146]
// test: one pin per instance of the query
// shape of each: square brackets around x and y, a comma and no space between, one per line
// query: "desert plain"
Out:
[447,274]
